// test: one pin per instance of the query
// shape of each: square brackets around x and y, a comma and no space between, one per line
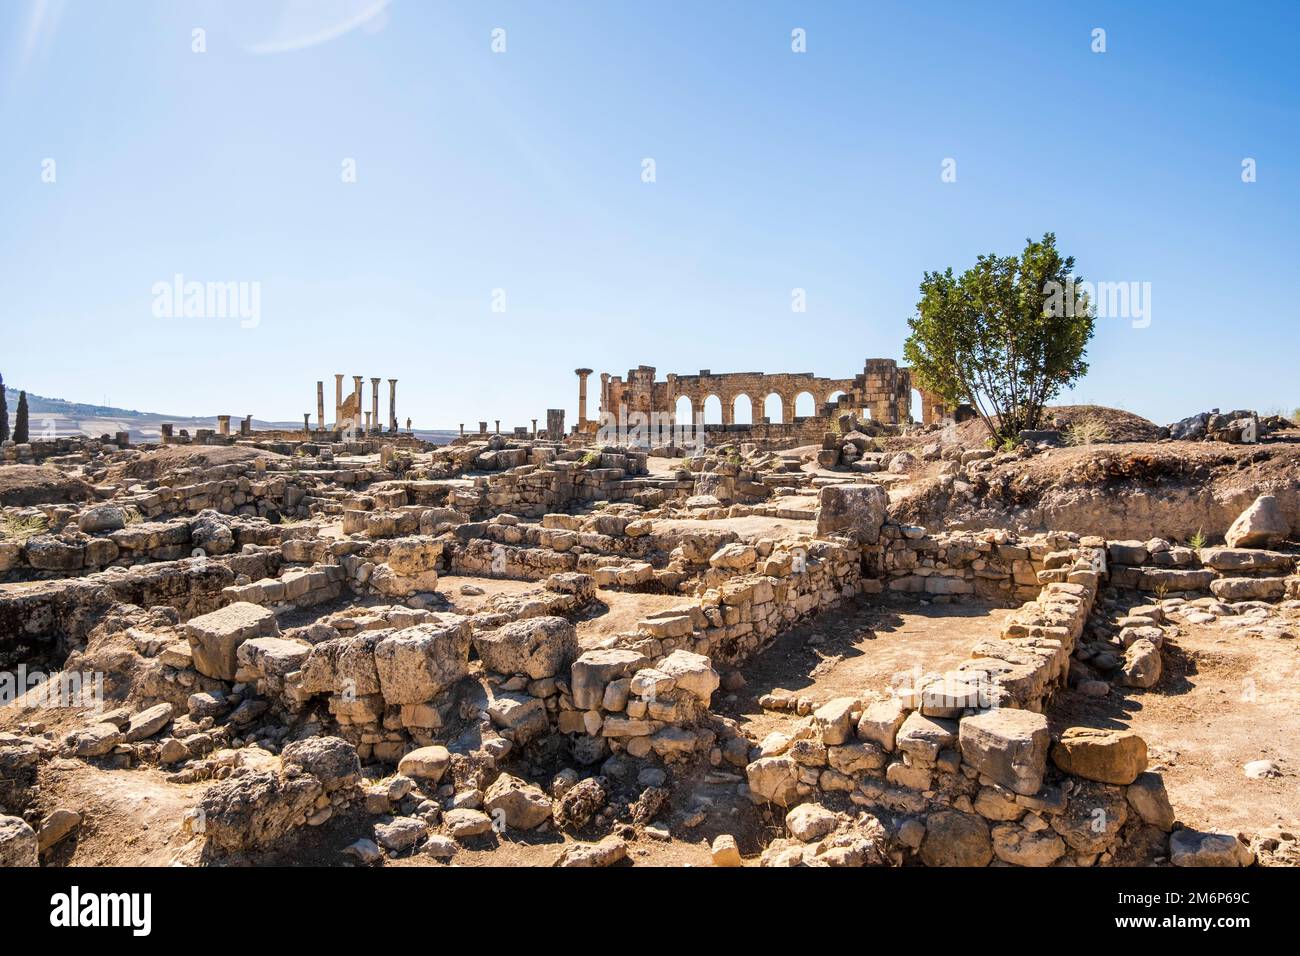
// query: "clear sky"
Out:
[522,171]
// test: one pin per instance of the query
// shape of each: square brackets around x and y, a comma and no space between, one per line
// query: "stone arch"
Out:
[804,404]
[742,409]
[683,410]
[774,411]
[712,408]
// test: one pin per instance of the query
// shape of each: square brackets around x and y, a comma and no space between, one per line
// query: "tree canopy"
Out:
[1006,336]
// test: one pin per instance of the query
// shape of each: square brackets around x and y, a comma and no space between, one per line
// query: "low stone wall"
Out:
[45,620]
[964,755]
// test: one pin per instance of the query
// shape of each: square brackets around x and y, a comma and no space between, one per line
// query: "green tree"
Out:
[4,411]
[20,419]
[1006,336]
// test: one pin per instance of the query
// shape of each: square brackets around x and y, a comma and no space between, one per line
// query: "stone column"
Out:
[374,402]
[246,426]
[338,401]
[223,424]
[604,395]
[356,394]
[482,428]
[498,421]
[462,429]
[368,419]
[582,374]
[392,404]
[320,405]
[534,429]
[306,422]
[167,431]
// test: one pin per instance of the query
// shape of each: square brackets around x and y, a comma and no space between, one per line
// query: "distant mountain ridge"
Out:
[59,418]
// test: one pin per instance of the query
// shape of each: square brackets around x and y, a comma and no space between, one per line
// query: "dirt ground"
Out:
[1224,700]
[23,485]
[869,647]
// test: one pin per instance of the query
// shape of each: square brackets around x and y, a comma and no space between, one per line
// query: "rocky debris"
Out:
[465,822]
[1147,796]
[399,833]
[101,519]
[857,511]
[419,663]
[607,852]
[809,822]
[580,802]
[1107,756]
[540,647]
[1009,746]
[97,740]
[1142,664]
[774,780]
[1262,525]
[1197,848]
[210,533]
[953,838]
[1262,769]
[520,805]
[148,722]
[331,760]
[425,763]
[18,843]
[364,851]
[725,852]
[215,637]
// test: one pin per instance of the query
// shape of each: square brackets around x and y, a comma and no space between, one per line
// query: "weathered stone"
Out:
[1197,848]
[692,673]
[1107,756]
[1014,844]
[595,669]
[1147,796]
[18,843]
[809,822]
[419,663]
[774,780]
[215,637]
[953,838]
[607,852]
[1007,745]
[425,763]
[1262,525]
[725,852]
[522,806]
[881,721]
[465,822]
[857,511]
[148,722]
[539,647]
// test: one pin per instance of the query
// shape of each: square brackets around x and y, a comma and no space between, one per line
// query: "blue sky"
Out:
[522,171]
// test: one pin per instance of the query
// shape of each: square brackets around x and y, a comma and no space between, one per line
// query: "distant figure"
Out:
[408,424]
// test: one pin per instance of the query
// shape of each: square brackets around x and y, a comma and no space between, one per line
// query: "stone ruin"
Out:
[400,649]
[881,393]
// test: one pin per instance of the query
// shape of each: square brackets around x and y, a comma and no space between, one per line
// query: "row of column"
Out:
[371,417]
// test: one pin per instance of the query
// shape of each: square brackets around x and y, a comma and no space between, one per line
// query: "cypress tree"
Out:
[20,419]
[4,411]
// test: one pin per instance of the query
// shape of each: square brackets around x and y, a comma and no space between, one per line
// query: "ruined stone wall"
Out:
[882,388]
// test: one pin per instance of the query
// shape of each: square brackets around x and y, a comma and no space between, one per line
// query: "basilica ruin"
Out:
[860,637]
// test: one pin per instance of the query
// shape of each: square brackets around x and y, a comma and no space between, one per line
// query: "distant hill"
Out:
[58,418]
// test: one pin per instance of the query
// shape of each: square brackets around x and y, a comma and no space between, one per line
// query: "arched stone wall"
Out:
[883,387]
